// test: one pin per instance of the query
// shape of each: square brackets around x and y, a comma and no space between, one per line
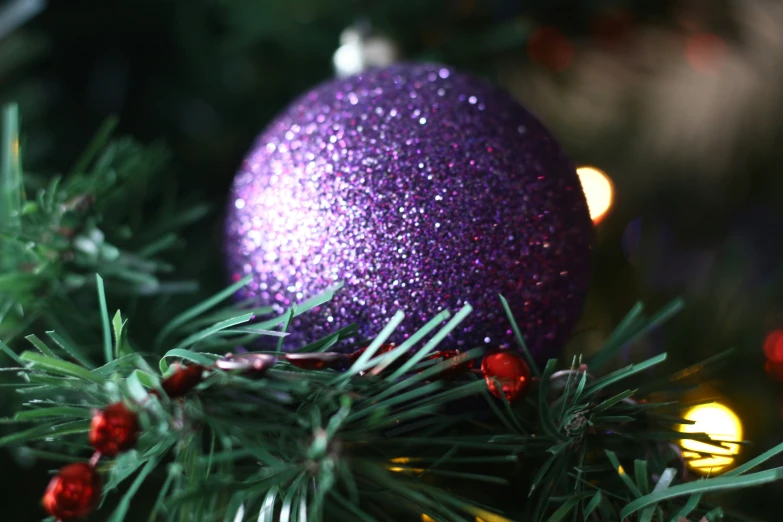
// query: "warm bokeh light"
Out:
[401,460]
[403,469]
[705,51]
[773,346]
[598,190]
[721,424]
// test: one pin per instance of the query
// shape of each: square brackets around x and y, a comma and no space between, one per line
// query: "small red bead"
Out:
[184,379]
[113,430]
[460,365]
[73,492]
[511,372]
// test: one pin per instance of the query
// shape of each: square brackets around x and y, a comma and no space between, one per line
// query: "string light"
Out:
[401,460]
[721,424]
[598,190]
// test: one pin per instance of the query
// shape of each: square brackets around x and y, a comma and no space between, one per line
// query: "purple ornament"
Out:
[421,189]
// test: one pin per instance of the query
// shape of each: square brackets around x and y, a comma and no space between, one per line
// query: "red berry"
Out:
[73,492]
[510,370]
[113,430]
[184,379]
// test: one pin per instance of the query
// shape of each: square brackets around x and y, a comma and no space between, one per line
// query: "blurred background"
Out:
[678,103]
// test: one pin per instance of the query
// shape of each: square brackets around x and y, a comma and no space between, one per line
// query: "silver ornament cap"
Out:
[360,48]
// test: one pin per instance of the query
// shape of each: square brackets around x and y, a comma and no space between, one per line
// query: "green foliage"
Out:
[378,442]
[56,232]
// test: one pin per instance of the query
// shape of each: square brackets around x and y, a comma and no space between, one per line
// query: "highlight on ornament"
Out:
[598,190]
[721,424]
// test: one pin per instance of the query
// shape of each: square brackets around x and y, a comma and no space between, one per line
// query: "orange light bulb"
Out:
[598,190]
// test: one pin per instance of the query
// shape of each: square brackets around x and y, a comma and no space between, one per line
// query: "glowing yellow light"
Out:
[401,460]
[400,469]
[598,190]
[426,518]
[721,424]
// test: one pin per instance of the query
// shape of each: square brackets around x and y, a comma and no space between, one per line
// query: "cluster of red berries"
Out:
[75,491]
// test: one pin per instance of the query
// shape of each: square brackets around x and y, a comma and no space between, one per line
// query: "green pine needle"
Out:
[59,367]
[704,486]
[107,345]
[10,173]
[518,334]
[98,143]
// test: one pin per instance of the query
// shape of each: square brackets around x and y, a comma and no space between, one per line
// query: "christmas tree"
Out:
[142,383]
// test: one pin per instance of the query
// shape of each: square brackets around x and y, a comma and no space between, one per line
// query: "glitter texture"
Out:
[421,189]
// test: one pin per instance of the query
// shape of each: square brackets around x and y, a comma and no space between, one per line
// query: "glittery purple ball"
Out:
[421,188]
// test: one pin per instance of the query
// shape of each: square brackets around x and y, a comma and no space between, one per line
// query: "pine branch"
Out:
[382,440]
[56,232]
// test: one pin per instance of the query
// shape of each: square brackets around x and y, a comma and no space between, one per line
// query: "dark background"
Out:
[678,102]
